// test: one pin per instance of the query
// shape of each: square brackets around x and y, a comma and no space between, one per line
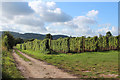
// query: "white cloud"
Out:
[82,20]
[51,4]
[103,30]
[78,26]
[119,30]
[29,20]
[104,25]
[49,12]
[18,16]
[33,16]
[45,12]
[21,28]
[11,9]
[81,26]
[114,30]
[26,17]
[22,24]
[76,22]
[62,31]
[92,13]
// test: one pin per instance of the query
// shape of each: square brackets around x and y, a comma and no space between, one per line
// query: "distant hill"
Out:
[33,35]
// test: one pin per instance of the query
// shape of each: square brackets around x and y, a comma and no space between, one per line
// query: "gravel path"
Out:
[38,69]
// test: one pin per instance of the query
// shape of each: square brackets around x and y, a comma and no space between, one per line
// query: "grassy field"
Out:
[23,57]
[9,69]
[87,64]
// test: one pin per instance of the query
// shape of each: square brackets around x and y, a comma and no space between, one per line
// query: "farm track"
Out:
[38,69]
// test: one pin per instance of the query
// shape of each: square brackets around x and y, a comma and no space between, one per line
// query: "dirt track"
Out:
[38,69]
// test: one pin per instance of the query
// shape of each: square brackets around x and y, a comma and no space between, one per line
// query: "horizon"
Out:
[55,34]
[60,18]
[30,33]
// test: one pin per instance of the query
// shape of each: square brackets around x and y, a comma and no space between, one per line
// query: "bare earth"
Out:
[38,69]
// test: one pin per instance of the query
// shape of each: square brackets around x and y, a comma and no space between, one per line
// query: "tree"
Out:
[70,36]
[119,42]
[49,36]
[108,34]
[8,40]
[19,41]
[5,41]
[89,37]
[100,35]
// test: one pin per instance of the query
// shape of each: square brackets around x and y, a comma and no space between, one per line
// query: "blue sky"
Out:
[68,18]
[108,11]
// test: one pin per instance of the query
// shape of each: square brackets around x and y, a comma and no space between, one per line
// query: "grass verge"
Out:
[9,69]
[23,57]
[87,64]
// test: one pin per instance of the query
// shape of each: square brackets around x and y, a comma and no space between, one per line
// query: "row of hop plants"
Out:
[91,44]
[36,45]
[60,45]
[74,44]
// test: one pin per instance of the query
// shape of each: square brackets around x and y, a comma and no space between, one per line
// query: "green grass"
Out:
[9,69]
[96,63]
[23,57]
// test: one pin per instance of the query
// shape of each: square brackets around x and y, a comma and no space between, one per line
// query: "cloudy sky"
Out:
[68,18]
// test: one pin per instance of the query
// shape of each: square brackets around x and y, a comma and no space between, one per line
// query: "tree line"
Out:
[73,44]
[9,41]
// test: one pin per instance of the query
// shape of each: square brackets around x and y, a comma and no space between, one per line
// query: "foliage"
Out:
[49,36]
[36,45]
[119,42]
[113,43]
[73,44]
[26,40]
[60,45]
[76,44]
[9,69]
[19,41]
[44,46]
[8,40]
[100,35]
[91,44]
[108,34]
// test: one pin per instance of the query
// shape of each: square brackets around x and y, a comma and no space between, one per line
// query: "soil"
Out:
[109,76]
[38,69]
